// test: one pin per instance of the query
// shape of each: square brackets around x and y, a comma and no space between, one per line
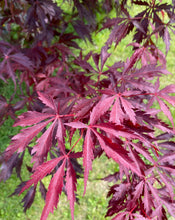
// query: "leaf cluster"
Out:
[80,107]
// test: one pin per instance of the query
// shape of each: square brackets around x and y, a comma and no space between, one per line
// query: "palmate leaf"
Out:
[68,39]
[128,107]
[7,167]
[137,160]
[168,157]
[167,39]
[120,30]
[112,177]
[21,59]
[121,216]
[18,167]
[149,55]
[166,110]
[144,19]
[38,175]
[13,61]
[48,101]
[117,131]
[163,94]
[140,2]
[83,107]
[117,153]
[61,133]
[20,141]
[102,106]
[139,217]
[54,190]
[143,151]
[29,198]
[82,30]
[150,71]
[147,199]
[117,115]
[159,200]
[113,114]
[71,186]
[76,124]
[41,171]
[168,184]
[113,150]
[138,191]
[88,148]
[104,56]
[8,109]
[31,118]
[121,109]
[119,193]
[88,156]
[86,11]
[56,184]
[159,212]
[10,71]
[44,143]
[43,190]
[39,13]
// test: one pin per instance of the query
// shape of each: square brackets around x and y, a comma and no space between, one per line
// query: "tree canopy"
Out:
[111,105]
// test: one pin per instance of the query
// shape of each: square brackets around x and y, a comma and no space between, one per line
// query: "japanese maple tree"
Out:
[111,107]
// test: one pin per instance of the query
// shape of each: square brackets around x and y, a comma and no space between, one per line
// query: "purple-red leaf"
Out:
[11,72]
[167,39]
[44,143]
[43,190]
[71,186]
[54,190]
[77,124]
[138,190]
[83,107]
[117,130]
[158,212]
[29,198]
[113,104]
[128,107]
[168,89]
[31,118]
[48,101]
[117,115]
[88,156]
[120,216]
[168,184]
[143,151]
[60,130]
[102,106]
[155,193]
[147,199]
[137,160]
[117,153]
[22,60]
[20,141]
[104,56]
[41,171]
[166,110]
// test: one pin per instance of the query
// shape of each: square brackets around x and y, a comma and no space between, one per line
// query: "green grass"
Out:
[93,205]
